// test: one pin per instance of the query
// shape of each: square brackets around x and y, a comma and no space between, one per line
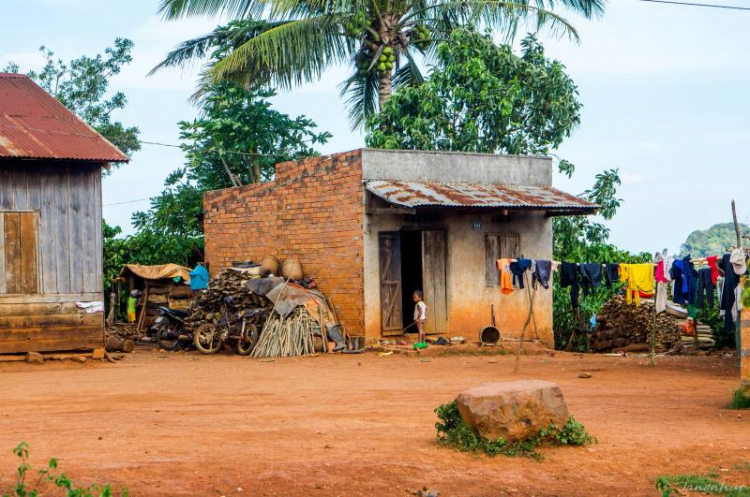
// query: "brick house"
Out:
[372,226]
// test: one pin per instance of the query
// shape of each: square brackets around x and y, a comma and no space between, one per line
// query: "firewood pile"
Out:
[124,331]
[620,324]
[229,283]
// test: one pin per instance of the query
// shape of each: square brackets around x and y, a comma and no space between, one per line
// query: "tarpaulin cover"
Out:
[262,286]
[161,272]
[286,298]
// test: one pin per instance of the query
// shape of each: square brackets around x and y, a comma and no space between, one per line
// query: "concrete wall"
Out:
[313,211]
[407,165]
[469,300]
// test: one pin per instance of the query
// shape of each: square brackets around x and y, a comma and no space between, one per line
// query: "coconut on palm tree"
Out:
[290,42]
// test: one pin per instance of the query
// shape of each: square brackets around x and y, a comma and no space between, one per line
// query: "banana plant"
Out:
[286,43]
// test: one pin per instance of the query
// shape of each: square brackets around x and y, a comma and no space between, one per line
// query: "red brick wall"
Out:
[312,211]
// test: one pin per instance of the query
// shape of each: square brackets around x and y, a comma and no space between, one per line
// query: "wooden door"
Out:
[434,281]
[392,322]
[19,251]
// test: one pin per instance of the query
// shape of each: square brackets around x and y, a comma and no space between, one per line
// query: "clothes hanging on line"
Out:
[639,280]
[541,271]
[591,277]
[705,288]
[569,278]
[612,274]
[712,260]
[660,273]
[729,264]
[506,278]
[518,268]
[685,277]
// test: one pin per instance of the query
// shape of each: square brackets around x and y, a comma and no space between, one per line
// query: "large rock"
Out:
[514,410]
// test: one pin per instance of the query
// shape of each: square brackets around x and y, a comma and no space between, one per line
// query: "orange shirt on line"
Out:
[506,280]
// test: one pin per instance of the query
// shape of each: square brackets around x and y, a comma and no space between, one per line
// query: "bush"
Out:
[48,477]
[454,433]
[740,399]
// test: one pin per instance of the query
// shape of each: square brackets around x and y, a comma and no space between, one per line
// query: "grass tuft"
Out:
[676,485]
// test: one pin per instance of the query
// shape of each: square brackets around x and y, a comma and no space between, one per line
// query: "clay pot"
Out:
[269,265]
[292,269]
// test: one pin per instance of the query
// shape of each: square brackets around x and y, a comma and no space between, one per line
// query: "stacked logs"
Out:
[229,283]
[620,325]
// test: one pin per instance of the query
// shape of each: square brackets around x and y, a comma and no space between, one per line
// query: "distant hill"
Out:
[713,241]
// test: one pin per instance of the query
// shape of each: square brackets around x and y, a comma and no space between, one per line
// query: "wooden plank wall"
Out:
[68,198]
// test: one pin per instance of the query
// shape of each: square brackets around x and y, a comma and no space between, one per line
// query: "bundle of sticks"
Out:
[287,337]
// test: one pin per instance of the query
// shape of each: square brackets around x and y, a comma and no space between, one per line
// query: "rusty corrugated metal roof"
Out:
[411,194]
[34,125]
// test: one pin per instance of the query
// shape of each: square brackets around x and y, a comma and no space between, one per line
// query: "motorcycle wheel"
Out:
[246,343]
[168,336]
[207,339]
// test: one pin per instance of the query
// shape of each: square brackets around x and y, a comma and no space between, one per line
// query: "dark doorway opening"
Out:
[411,273]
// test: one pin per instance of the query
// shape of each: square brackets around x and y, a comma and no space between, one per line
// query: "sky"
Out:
[664,89]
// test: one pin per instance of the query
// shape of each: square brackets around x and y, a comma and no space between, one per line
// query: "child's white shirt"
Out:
[421,306]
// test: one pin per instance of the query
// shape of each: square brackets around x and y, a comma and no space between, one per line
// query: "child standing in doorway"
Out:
[420,312]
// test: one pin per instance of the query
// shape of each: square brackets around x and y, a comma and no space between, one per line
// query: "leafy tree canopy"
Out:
[238,139]
[481,97]
[714,241]
[287,43]
[82,86]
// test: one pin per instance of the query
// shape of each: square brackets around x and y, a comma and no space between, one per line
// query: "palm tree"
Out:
[290,42]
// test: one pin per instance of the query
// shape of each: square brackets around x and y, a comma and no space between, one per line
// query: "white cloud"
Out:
[631,178]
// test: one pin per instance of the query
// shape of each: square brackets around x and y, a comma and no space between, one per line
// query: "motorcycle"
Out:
[169,328]
[243,328]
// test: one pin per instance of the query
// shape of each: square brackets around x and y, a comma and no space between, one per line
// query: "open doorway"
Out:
[411,260]
[411,273]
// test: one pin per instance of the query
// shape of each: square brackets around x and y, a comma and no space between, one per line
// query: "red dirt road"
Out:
[185,424]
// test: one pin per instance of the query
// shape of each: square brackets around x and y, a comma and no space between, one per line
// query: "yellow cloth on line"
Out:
[638,278]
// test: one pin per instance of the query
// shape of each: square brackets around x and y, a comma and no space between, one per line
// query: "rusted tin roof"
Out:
[409,194]
[34,125]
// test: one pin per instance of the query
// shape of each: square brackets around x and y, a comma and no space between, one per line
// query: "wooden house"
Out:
[50,222]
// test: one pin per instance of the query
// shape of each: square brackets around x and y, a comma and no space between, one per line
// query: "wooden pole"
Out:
[736,225]
[744,351]
[652,346]
[529,318]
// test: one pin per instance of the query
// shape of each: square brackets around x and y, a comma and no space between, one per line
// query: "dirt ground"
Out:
[186,424]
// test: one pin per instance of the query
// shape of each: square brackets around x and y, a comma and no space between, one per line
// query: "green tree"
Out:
[481,97]
[287,43]
[714,241]
[82,85]
[237,139]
